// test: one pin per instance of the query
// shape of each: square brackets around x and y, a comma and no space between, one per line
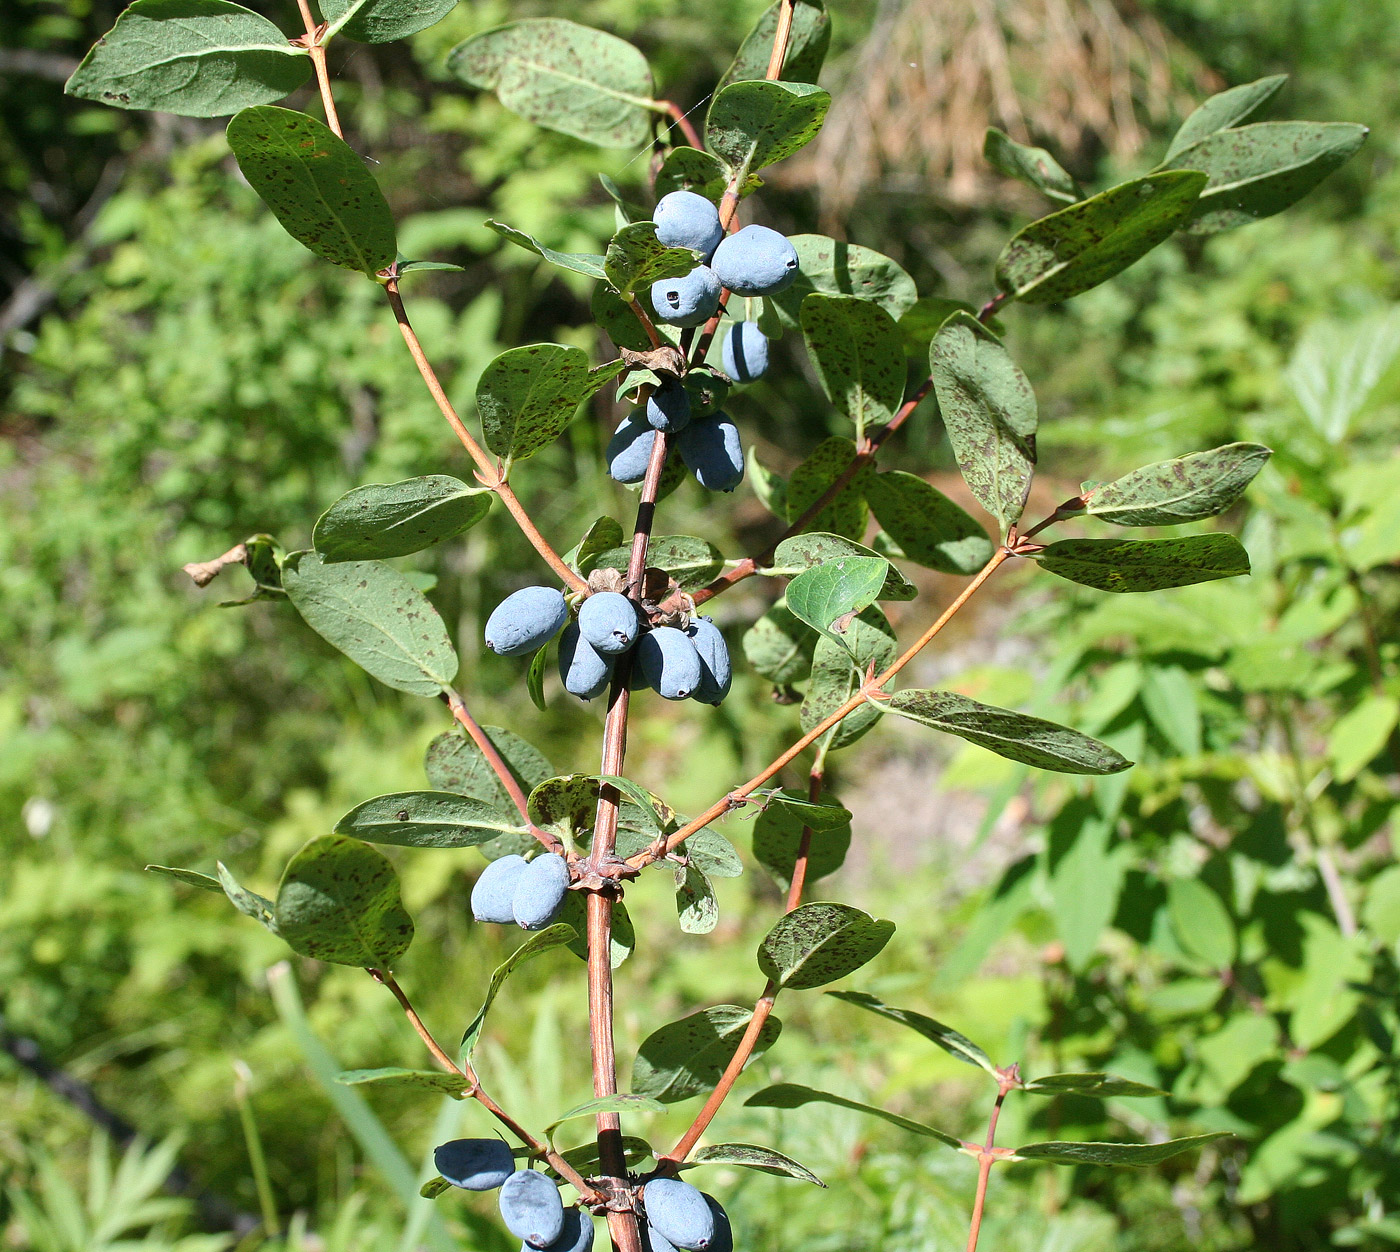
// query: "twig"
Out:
[317,51]
[1006,1079]
[677,114]
[780,40]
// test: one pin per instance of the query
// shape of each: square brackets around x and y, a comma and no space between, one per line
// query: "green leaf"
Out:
[1146,564]
[199,58]
[622,1103]
[1357,737]
[687,1057]
[689,169]
[1088,243]
[1260,170]
[1034,166]
[565,805]
[858,354]
[1099,1086]
[393,519]
[696,906]
[816,548]
[1086,880]
[589,263]
[1115,1153]
[1224,110]
[925,317]
[454,763]
[690,561]
[419,267]
[190,877]
[656,816]
[636,258]
[534,678]
[1016,736]
[834,267]
[769,486]
[624,938]
[819,943]
[808,39]
[339,901]
[316,185]
[751,1156]
[1201,922]
[829,596]
[790,1095]
[564,76]
[838,669]
[428,819]
[249,903]
[945,1037]
[846,513]
[395,1076]
[542,941]
[605,533]
[434,1187]
[376,617]
[753,124]
[1186,489]
[584,1158]
[779,645]
[714,854]
[990,412]
[777,836]
[382,21]
[527,396]
[928,527]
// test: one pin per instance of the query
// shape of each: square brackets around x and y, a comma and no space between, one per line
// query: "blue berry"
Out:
[755,261]
[495,890]
[744,352]
[686,220]
[686,301]
[668,407]
[711,449]
[609,621]
[678,1213]
[716,672]
[577,1236]
[531,1208]
[526,620]
[629,450]
[724,1232]
[582,670]
[474,1164]
[539,895]
[669,663]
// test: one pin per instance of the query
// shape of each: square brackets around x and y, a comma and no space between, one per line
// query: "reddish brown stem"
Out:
[780,40]
[677,114]
[317,52]
[985,1159]
[804,844]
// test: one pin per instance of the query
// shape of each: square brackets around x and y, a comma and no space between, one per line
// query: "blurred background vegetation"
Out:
[1221,921]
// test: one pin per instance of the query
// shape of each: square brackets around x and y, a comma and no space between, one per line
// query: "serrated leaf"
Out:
[542,941]
[428,819]
[1257,171]
[527,396]
[754,124]
[382,21]
[1136,1154]
[1016,736]
[690,561]
[858,355]
[376,617]
[809,36]
[846,512]
[1122,565]
[815,548]
[819,943]
[990,413]
[687,1057]
[395,1076]
[790,1095]
[829,595]
[696,906]
[838,669]
[636,258]
[1186,489]
[1033,166]
[1100,1086]
[834,267]
[338,901]
[198,58]
[563,76]
[316,185]
[779,646]
[190,877]
[1224,110]
[953,1043]
[623,1102]
[928,527]
[383,520]
[588,263]
[751,1156]
[777,836]
[1088,243]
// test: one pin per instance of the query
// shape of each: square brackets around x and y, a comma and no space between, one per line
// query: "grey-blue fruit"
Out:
[525,620]
[583,671]
[609,621]
[629,449]
[539,894]
[494,893]
[531,1208]
[755,261]
[678,1213]
[686,220]
[474,1164]
[744,352]
[654,1241]
[577,1236]
[724,1232]
[669,663]
[712,451]
[716,672]
[687,301]
[668,407]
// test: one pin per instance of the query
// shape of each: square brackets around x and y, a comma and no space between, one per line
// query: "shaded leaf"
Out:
[777,836]
[751,1156]
[945,1037]
[636,258]
[527,396]
[687,1057]
[808,39]
[837,268]
[382,21]
[858,354]
[1123,565]
[1201,922]
[623,1102]
[454,763]
[656,816]
[1224,110]
[565,805]
[542,941]
[696,906]
[789,1095]
[584,1158]
[428,819]
[589,263]
[394,519]
[605,533]
[1100,1086]
[928,527]
[690,561]
[624,938]
[1033,166]
[925,317]
[1138,1154]
[769,486]
[819,943]
[190,877]
[779,645]
[753,124]
[689,169]
[1185,489]
[395,1076]
[815,548]
[534,678]
[713,853]
[846,513]
[838,669]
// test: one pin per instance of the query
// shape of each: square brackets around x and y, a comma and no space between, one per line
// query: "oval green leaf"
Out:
[1224,110]
[809,36]
[428,819]
[791,1095]
[819,943]
[1186,489]
[528,395]
[846,512]
[753,124]
[395,1076]
[382,520]
[777,836]
[837,268]
[382,21]
[687,1057]
[928,527]
[814,548]
[858,354]
[1136,1154]
[1123,565]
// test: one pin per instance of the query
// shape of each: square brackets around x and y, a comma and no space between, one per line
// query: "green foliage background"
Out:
[197,377]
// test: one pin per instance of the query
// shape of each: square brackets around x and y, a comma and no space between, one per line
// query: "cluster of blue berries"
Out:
[526,893]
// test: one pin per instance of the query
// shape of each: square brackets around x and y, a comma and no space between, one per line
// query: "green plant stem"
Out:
[256,1158]
[868,690]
